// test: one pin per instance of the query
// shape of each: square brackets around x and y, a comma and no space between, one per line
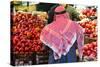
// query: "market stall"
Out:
[26,26]
[27,22]
[88,20]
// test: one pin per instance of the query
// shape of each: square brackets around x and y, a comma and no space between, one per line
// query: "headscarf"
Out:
[62,33]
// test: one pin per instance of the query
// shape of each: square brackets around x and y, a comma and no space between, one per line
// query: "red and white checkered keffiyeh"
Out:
[61,34]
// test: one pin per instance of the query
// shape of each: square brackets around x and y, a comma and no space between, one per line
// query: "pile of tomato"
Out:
[90,50]
[25,33]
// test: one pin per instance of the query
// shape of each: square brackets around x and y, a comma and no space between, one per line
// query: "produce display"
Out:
[90,28]
[27,22]
[26,29]
[88,21]
[90,50]
[89,12]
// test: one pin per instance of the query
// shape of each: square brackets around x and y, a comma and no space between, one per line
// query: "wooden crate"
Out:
[89,40]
